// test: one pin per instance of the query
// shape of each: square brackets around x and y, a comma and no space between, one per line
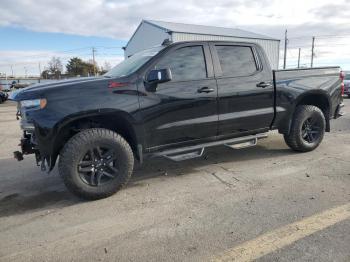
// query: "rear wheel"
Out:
[307,130]
[96,163]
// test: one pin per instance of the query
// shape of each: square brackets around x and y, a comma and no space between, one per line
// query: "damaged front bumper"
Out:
[29,145]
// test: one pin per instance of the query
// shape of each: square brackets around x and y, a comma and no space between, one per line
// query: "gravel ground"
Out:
[188,211]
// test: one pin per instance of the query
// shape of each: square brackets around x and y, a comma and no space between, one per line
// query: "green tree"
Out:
[75,66]
[78,67]
[45,74]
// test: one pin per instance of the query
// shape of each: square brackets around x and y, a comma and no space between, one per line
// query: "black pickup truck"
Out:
[174,101]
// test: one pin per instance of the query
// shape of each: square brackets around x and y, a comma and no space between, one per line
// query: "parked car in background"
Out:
[347,84]
[3,96]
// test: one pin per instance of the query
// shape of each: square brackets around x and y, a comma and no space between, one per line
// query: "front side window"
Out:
[236,60]
[186,63]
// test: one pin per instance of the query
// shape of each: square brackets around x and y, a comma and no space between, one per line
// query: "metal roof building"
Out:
[152,33]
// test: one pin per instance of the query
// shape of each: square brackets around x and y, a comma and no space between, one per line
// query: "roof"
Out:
[206,30]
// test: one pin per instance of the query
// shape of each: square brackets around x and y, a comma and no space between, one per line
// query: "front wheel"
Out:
[96,163]
[307,130]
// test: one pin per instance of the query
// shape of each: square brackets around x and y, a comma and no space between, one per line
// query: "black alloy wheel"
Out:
[98,166]
[311,130]
[95,163]
[307,129]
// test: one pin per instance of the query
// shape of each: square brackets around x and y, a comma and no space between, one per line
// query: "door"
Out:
[185,108]
[245,89]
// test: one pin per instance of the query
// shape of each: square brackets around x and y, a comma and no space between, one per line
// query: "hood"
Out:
[38,90]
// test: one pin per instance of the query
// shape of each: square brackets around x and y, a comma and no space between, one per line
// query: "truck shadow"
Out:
[16,204]
[218,155]
[39,192]
[23,188]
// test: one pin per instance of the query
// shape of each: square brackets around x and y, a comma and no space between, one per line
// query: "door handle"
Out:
[205,89]
[263,85]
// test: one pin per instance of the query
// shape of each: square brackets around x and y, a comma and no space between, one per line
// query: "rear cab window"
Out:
[236,60]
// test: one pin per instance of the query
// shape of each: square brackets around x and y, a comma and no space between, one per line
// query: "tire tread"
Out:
[71,151]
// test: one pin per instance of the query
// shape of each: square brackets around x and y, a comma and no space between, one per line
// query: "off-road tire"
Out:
[295,139]
[72,152]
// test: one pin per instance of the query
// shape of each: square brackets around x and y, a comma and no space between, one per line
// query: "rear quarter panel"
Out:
[292,86]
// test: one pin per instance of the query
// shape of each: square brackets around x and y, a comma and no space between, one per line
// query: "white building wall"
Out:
[271,47]
[146,36]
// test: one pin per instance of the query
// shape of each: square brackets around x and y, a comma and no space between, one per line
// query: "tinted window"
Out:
[186,63]
[236,60]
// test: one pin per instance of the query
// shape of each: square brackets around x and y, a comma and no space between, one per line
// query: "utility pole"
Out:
[299,58]
[285,50]
[39,72]
[93,59]
[312,51]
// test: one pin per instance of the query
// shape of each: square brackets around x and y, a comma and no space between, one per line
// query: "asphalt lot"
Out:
[265,203]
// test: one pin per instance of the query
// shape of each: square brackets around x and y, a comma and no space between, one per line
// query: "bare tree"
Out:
[55,66]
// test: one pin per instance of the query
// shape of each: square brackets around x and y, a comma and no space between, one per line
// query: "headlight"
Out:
[33,104]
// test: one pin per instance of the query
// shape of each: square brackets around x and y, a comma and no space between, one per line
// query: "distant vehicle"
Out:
[21,85]
[3,96]
[172,101]
[347,84]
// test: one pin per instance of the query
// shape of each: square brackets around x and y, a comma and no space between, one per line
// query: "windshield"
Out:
[347,76]
[131,64]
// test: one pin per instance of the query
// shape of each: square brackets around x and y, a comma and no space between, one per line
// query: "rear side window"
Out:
[236,60]
[186,63]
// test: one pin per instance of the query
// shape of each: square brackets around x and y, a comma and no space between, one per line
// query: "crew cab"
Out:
[173,101]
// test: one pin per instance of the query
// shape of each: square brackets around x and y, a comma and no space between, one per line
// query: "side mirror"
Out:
[157,76]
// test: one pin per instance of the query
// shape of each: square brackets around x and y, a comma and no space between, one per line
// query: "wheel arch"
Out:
[118,121]
[318,98]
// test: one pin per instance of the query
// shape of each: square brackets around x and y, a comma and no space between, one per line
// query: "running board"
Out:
[185,155]
[245,144]
[189,152]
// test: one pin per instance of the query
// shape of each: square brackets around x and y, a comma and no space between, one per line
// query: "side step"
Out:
[189,152]
[249,143]
[185,155]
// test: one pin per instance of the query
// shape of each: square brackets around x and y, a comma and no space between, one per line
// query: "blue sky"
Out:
[26,49]
[34,31]
[16,38]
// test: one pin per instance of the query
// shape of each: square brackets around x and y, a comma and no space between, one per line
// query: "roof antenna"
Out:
[167,42]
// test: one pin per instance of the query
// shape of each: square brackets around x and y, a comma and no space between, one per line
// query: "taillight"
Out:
[342,76]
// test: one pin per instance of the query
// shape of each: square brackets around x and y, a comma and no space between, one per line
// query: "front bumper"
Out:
[27,126]
[27,147]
